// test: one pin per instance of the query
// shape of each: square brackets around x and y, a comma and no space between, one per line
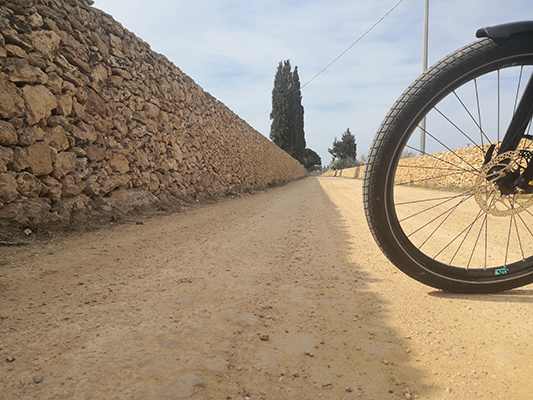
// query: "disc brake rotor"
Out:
[488,194]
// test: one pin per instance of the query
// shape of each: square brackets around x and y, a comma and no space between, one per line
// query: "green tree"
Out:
[297,117]
[287,115]
[280,128]
[344,148]
[343,163]
[312,161]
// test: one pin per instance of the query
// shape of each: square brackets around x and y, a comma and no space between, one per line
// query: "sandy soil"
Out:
[278,295]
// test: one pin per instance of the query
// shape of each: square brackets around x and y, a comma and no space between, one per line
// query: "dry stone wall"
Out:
[354,173]
[443,170]
[439,170]
[93,120]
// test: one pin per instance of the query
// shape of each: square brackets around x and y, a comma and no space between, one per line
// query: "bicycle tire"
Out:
[387,216]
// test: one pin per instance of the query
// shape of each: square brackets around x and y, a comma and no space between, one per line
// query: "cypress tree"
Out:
[287,129]
[297,114]
[280,114]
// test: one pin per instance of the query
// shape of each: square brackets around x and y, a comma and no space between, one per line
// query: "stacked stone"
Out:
[91,117]
[443,170]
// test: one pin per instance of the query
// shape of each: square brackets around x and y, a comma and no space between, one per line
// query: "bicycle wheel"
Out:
[437,213]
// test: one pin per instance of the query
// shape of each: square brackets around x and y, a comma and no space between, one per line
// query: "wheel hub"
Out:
[495,192]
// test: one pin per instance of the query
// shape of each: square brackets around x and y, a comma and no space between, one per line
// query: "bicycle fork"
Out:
[515,133]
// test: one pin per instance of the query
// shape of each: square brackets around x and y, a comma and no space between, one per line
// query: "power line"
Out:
[343,53]
[260,115]
[353,44]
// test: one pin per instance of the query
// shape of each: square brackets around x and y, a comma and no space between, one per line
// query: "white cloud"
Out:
[232,49]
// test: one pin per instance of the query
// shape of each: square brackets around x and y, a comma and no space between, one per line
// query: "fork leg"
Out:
[520,121]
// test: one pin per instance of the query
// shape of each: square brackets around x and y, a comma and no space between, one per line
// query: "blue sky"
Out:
[232,48]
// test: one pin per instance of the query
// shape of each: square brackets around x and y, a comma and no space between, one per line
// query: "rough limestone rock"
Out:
[20,159]
[8,187]
[20,71]
[30,134]
[93,121]
[64,163]
[51,188]
[40,102]
[46,43]
[96,153]
[119,164]
[6,156]
[56,137]
[28,184]
[11,103]
[8,136]
[39,159]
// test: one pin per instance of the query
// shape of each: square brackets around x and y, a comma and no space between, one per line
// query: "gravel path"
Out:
[278,295]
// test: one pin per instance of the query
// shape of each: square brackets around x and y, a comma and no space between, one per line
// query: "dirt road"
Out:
[278,295]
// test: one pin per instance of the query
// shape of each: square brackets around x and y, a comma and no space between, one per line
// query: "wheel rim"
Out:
[448,211]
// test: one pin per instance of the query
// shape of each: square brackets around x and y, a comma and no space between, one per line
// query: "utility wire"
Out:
[353,44]
[343,53]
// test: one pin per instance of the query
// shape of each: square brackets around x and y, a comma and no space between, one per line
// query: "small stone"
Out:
[39,102]
[39,159]
[349,389]
[10,359]
[264,337]
[37,379]
[27,232]
[8,136]
[8,187]
[449,390]
[119,164]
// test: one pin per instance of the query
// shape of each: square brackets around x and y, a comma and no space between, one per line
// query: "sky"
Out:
[232,48]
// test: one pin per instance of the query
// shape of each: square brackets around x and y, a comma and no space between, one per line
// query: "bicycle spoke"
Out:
[499,107]
[486,222]
[468,228]
[432,156]
[518,236]
[479,113]
[433,207]
[432,199]
[427,179]
[518,90]
[449,149]
[525,225]
[508,242]
[431,221]
[471,117]
[451,211]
